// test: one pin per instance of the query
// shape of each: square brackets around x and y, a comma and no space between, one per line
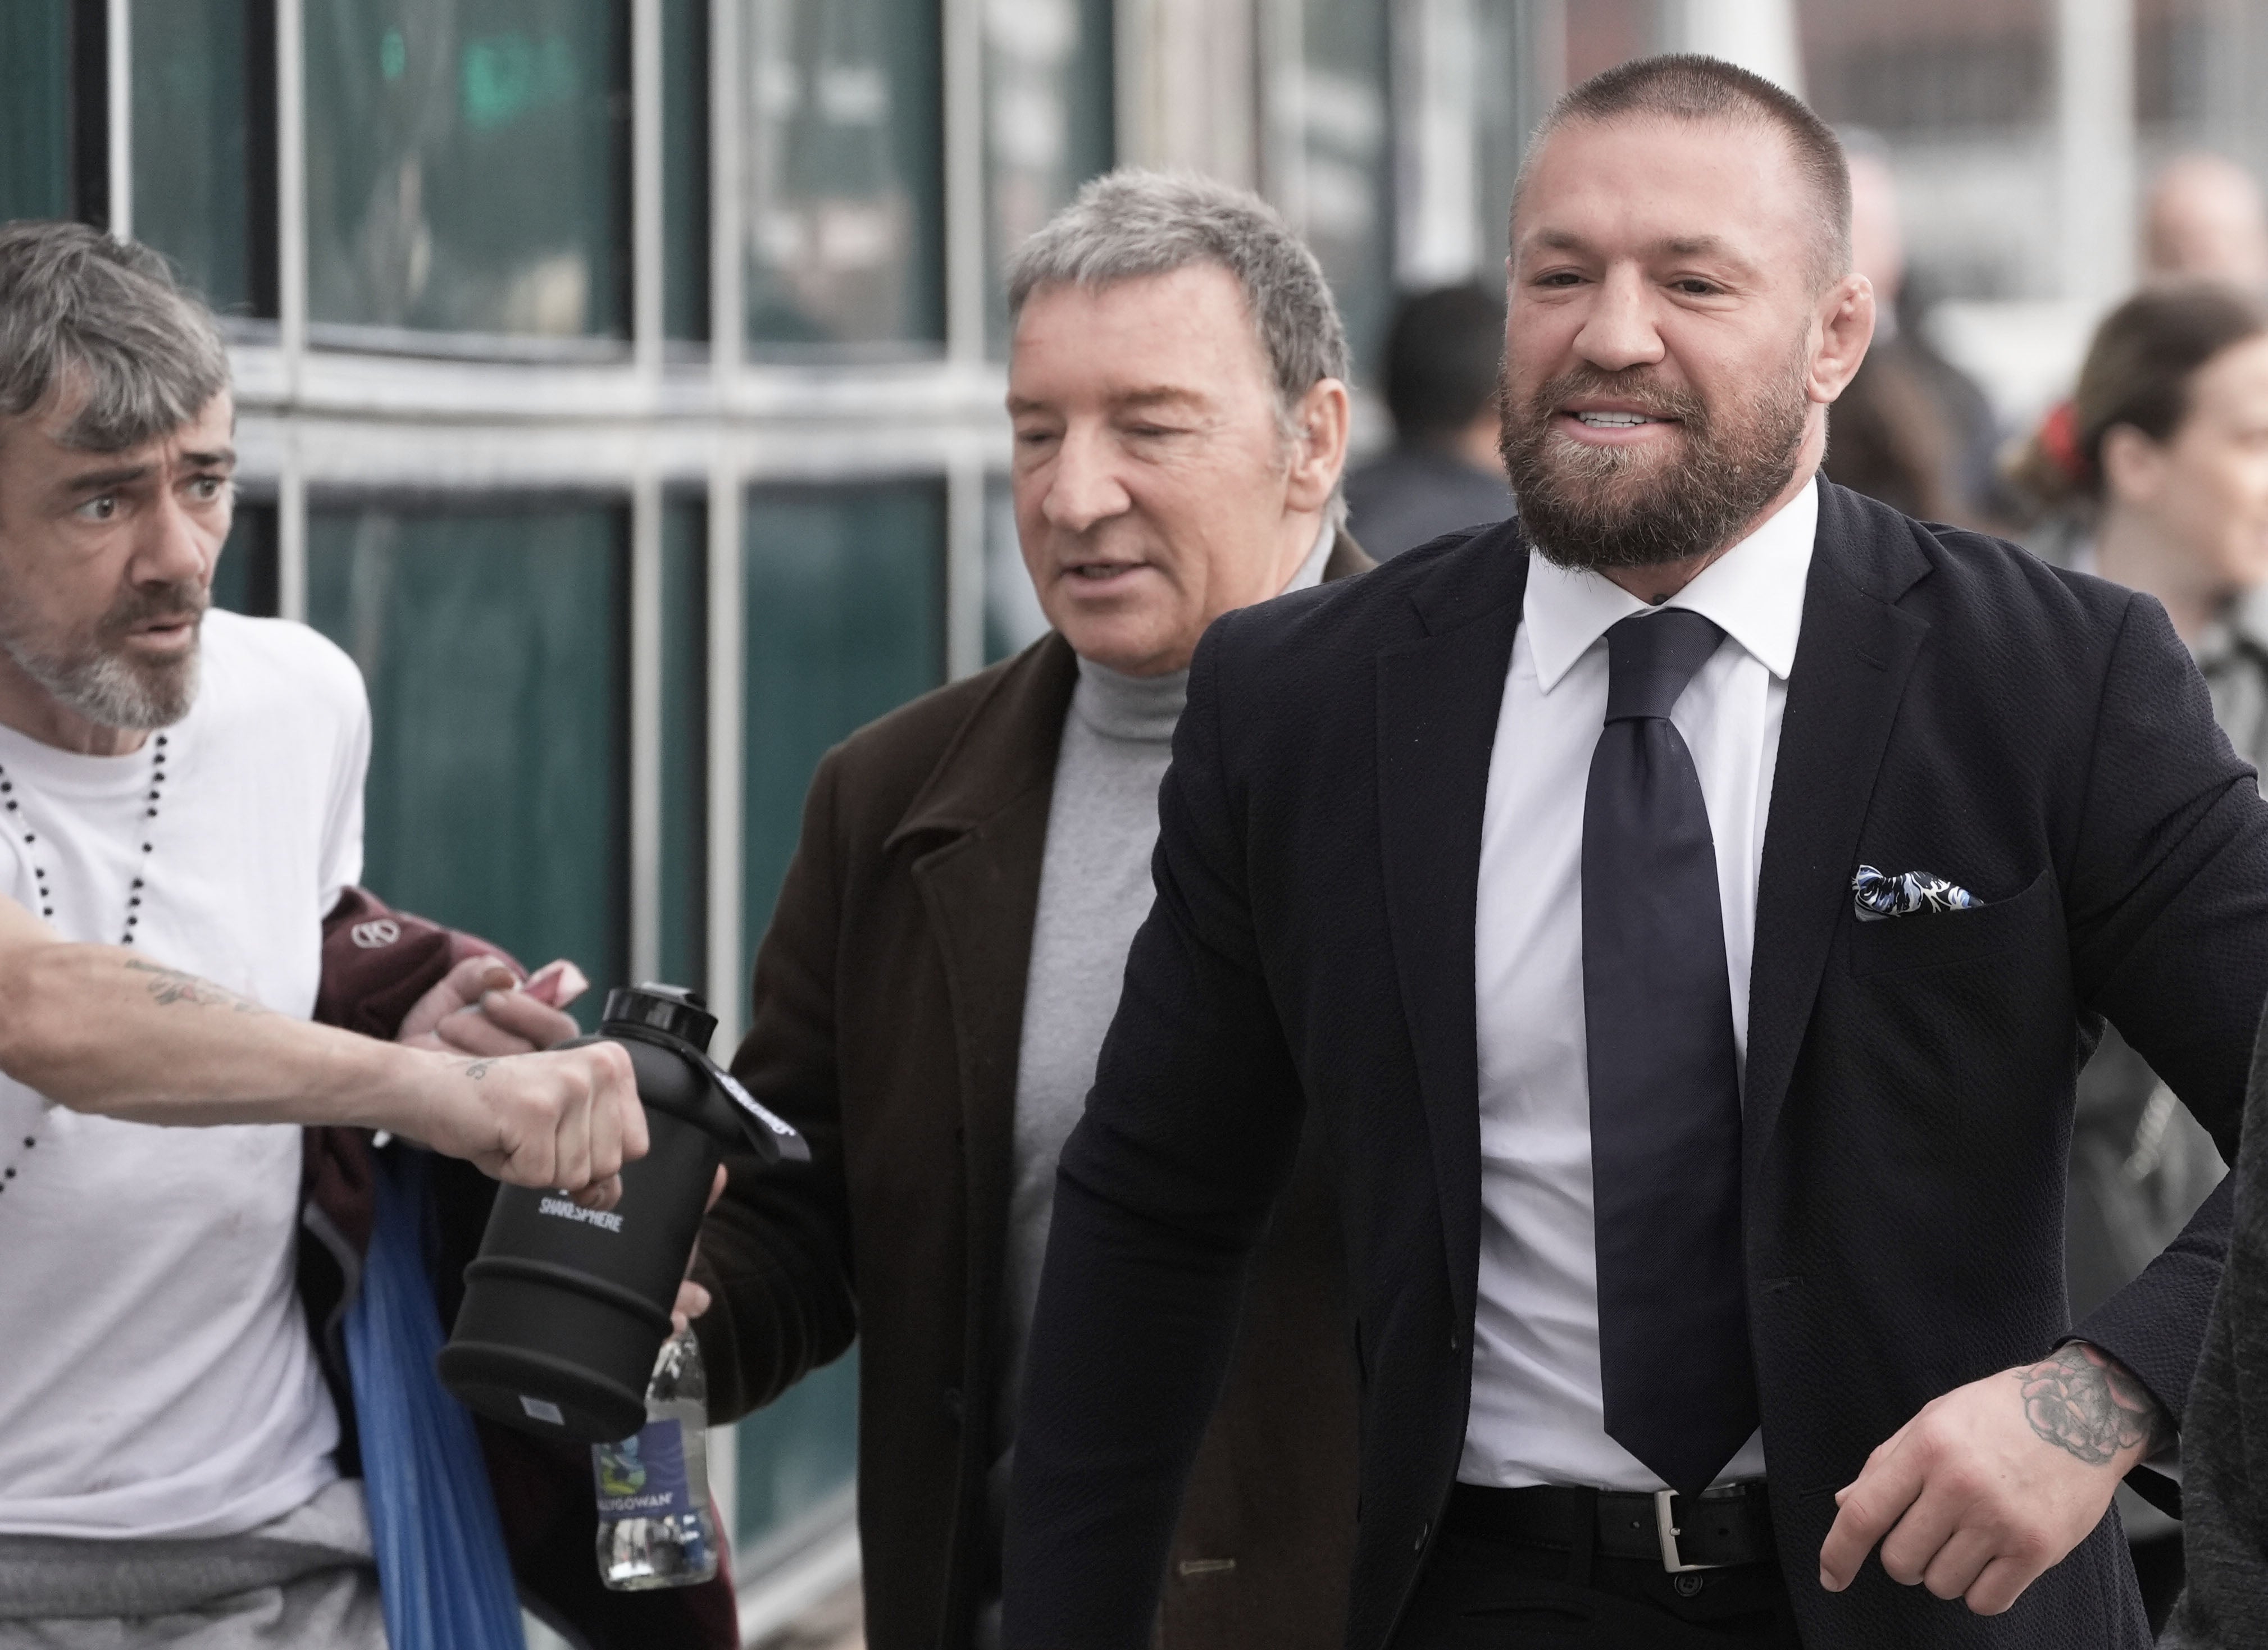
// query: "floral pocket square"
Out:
[1879,894]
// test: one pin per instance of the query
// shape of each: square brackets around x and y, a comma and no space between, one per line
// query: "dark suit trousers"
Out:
[1481,1592]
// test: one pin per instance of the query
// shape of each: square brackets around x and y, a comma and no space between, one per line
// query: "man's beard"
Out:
[95,674]
[1606,506]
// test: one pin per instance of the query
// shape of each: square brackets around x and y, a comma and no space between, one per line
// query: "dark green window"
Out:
[685,169]
[684,927]
[203,117]
[1047,124]
[467,165]
[36,153]
[245,577]
[843,163]
[845,593]
[491,636]
[845,619]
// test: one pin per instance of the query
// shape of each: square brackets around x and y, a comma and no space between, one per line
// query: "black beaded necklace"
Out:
[12,812]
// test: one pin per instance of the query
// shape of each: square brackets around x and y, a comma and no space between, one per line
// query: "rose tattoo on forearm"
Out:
[2080,1401]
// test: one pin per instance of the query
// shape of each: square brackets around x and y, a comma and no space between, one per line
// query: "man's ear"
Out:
[1320,424]
[1844,324]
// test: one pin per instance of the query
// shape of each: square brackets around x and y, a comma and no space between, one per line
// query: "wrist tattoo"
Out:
[169,986]
[2079,1400]
[479,1069]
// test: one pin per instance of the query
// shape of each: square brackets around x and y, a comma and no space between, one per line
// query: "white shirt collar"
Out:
[1754,593]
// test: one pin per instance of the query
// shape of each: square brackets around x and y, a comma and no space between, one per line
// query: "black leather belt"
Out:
[1724,1526]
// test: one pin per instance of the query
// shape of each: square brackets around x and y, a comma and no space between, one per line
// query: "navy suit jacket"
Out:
[2039,737]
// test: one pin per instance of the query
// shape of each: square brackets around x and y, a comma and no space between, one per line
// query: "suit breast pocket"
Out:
[1933,940]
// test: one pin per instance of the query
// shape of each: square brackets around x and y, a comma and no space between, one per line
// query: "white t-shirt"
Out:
[155,1374]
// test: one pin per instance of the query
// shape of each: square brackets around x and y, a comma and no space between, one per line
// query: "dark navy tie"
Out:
[1674,1360]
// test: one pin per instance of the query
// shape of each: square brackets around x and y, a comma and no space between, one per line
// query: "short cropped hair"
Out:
[83,314]
[1441,359]
[1686,86]
[1131,222]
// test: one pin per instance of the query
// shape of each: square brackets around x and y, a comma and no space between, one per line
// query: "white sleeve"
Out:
[341,854]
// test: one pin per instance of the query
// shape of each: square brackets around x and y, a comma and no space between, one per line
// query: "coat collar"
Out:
[1856,649]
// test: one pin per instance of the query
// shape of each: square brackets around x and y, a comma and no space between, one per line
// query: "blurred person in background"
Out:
[948,948]
[1913,429]
[2203,219]
[1443,471]
[2157,474]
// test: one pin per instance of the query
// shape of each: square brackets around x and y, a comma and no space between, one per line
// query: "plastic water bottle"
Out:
[655,1528]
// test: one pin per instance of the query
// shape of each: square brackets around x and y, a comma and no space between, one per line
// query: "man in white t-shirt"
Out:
[181,795]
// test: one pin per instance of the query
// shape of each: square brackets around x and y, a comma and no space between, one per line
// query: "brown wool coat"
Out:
[889,1009]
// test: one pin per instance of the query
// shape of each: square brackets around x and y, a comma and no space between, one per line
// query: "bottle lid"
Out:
[669,1009]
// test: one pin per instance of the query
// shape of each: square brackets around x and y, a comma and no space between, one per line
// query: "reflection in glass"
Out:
[35,109]
[1013,618]
[492,638]
[245,578]
[1334,154]
[842,171]
[685,169]
[684,936]
[192,121]
[845,605]
[1048,123]
[467,165]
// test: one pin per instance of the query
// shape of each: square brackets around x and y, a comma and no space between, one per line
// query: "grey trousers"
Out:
[304,1581]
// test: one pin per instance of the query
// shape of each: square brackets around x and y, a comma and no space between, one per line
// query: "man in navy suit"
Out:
[1682,912]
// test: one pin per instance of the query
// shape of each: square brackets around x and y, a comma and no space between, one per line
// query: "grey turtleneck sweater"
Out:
[1095,891]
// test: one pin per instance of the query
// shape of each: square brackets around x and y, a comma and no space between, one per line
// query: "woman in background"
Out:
[2155,475]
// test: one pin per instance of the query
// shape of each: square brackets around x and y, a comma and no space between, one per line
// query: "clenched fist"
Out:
[569,1119]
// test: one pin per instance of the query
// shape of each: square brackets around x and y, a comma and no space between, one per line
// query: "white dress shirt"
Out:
[1537,1415]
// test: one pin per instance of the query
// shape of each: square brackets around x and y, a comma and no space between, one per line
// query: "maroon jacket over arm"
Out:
[377,963]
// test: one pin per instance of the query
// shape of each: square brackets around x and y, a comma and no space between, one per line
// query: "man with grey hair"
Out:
[180,808]
[946,950]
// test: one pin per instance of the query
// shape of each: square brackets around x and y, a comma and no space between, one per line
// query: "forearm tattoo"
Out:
[2080,1401]
[169,986]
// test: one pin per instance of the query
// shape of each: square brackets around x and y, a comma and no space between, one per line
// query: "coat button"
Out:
[1424,1530]
[1455,1340]
[953,1405]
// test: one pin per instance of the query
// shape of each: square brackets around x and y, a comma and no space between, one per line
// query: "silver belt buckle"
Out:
[1671,1559]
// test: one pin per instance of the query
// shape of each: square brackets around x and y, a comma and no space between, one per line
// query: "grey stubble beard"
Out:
[94,677]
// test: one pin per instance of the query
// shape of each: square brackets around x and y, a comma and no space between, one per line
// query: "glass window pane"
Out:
[796,1454]
[491,636]
[844,183]
[1964,99]
[845,619]
[245,577]
[192,63]
[35,109]
[467,165]
[1336,156]
[684,939]
[685,168]
[1048,123]
[1012,616]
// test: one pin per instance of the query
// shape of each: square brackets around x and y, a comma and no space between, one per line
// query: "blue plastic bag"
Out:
[442,1570]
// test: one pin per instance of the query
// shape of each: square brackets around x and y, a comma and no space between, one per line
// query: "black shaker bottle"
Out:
[566,1306]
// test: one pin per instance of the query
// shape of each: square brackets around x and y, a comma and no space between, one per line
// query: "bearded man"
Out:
[1681,911]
